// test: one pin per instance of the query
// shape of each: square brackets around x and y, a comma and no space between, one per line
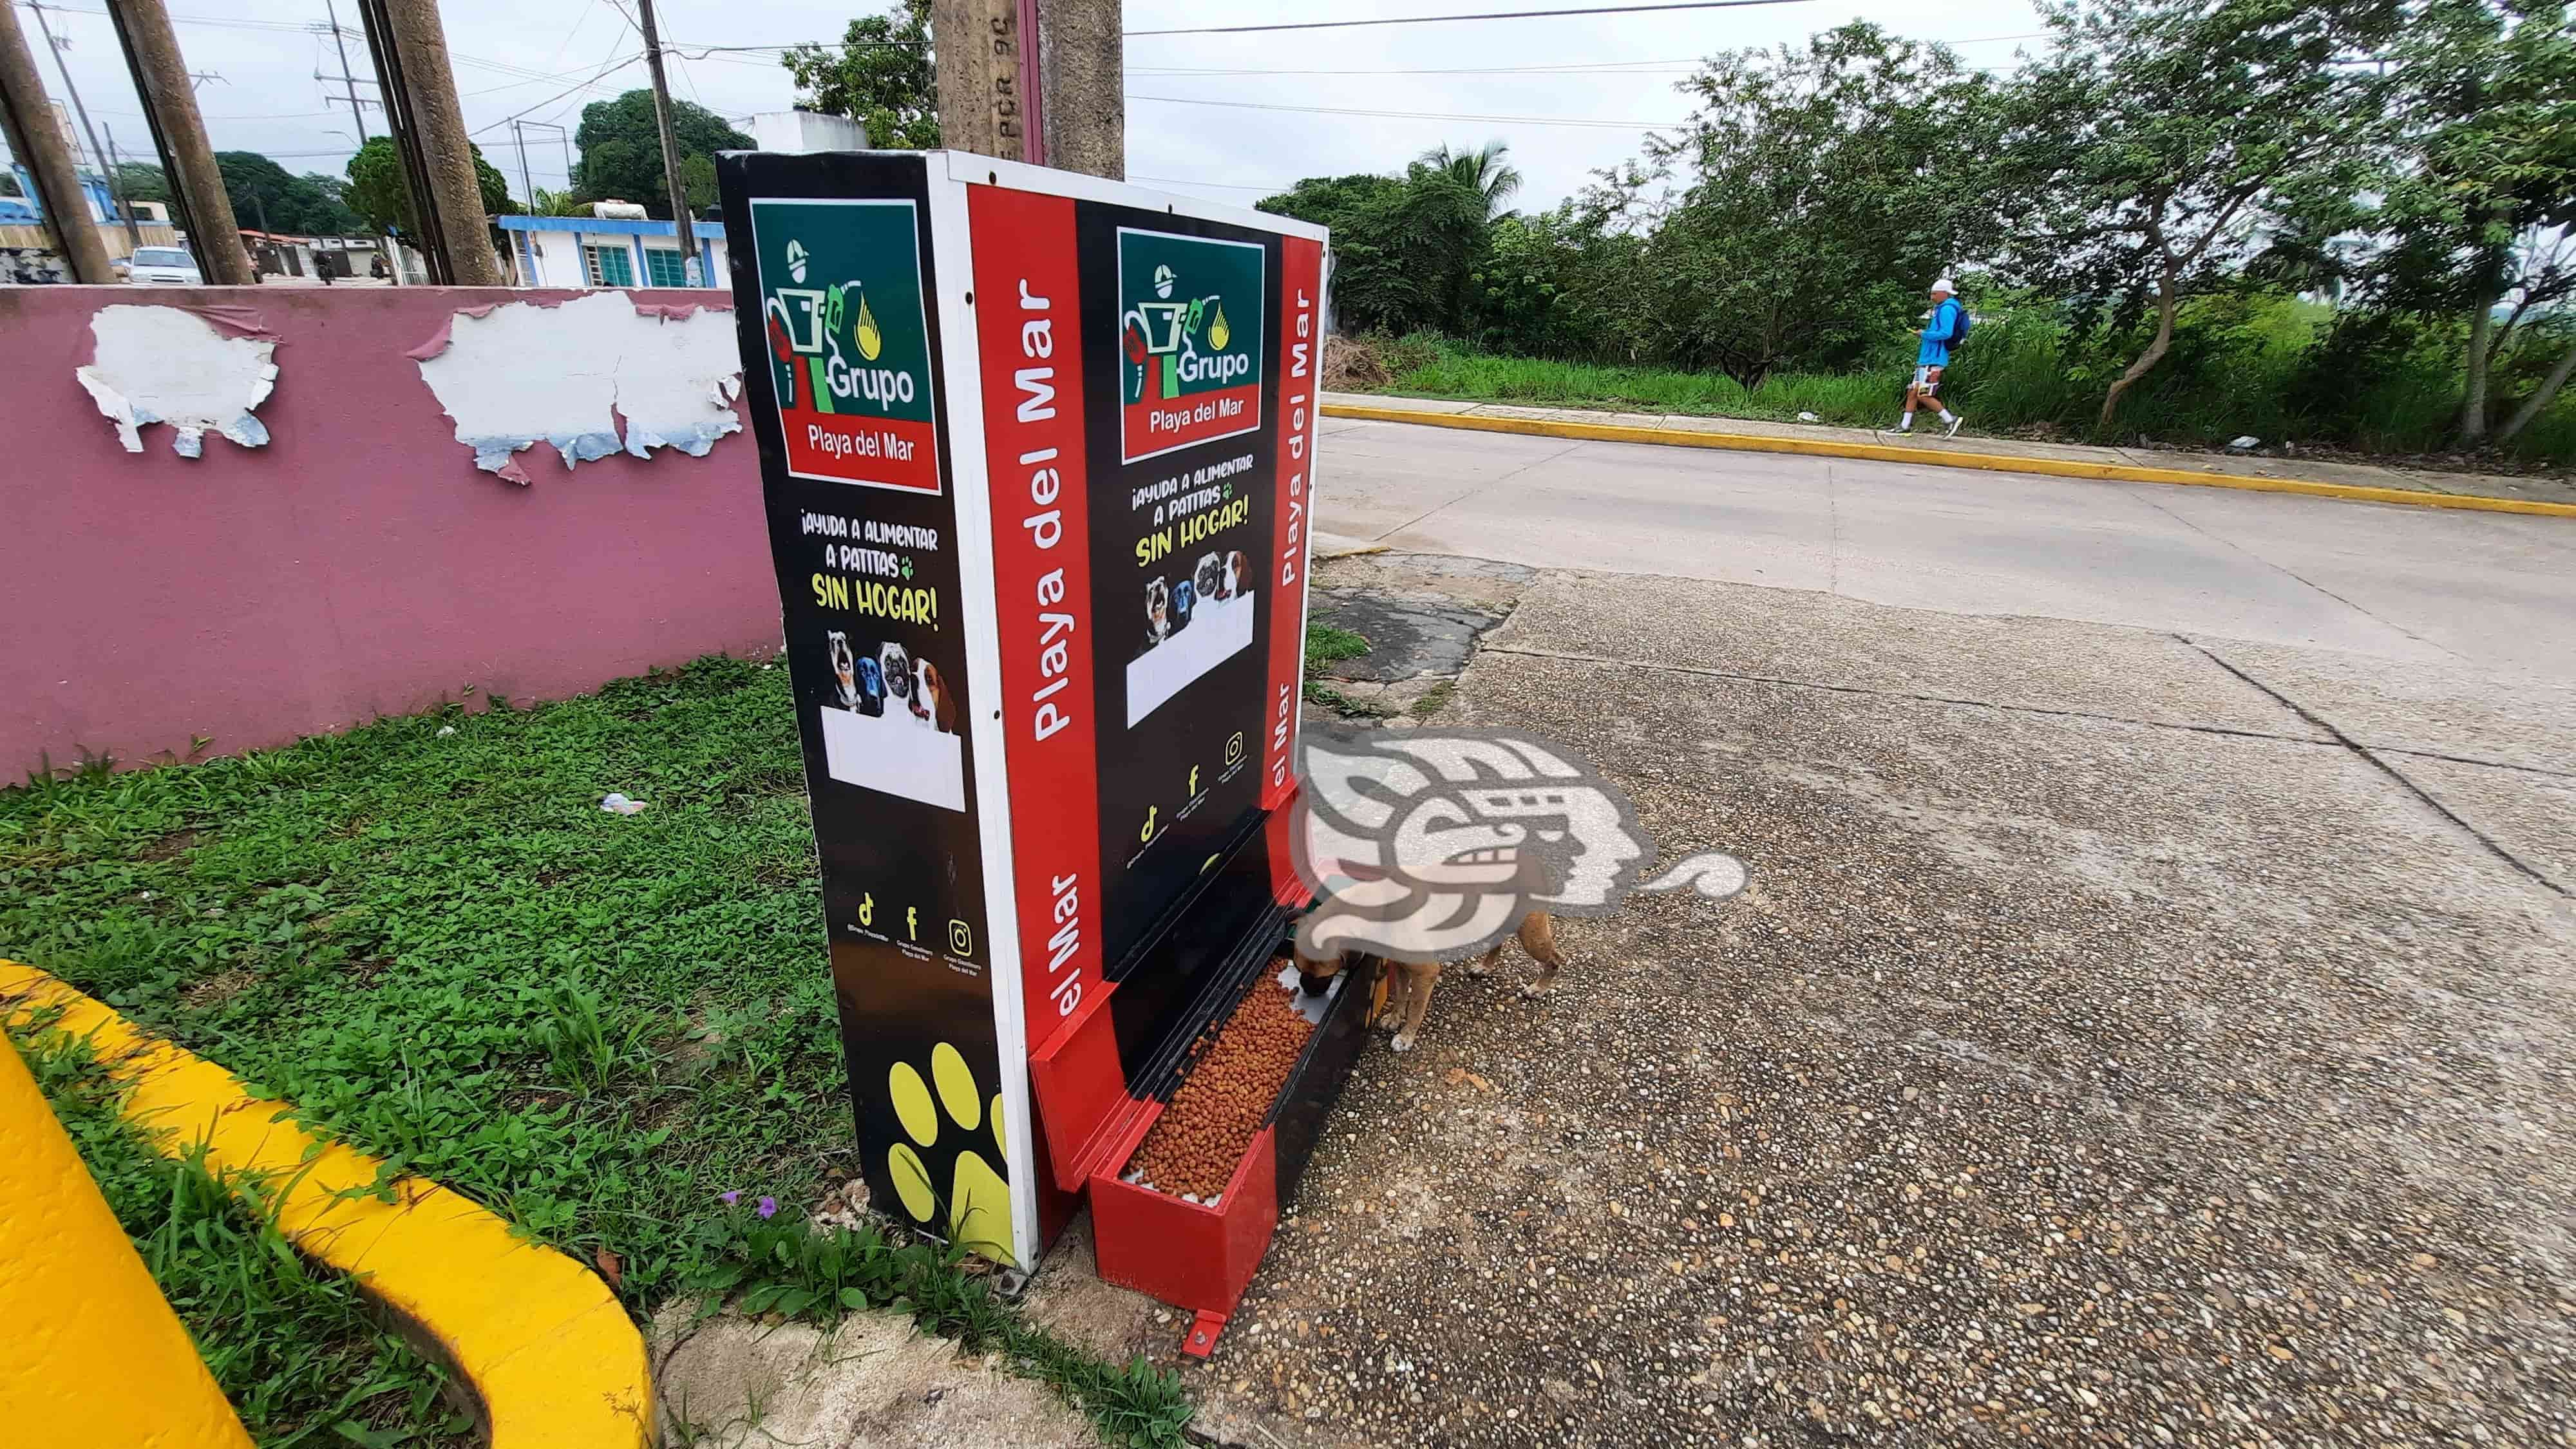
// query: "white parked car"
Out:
[168,266]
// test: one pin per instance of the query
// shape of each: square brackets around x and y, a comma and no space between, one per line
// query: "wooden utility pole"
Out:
[36,140]
[170,104]
[670,146]
[414,47]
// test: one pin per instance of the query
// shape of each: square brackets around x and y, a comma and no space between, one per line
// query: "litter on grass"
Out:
[616,804]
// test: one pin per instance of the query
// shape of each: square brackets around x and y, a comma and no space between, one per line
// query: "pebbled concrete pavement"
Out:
[2130,1036]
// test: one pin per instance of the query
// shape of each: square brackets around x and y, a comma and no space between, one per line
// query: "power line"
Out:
[1265,190]
[1438,19]
[585,83]
[1417,115]
[1594,67]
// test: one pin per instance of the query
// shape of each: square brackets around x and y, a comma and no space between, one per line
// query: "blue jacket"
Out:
[1938,334]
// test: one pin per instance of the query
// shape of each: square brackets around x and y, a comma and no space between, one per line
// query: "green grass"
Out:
[428,936]
[2237,367]
[290,1344]
[1328,645]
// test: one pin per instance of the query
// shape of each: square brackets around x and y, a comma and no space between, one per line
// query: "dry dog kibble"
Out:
[1237,1074]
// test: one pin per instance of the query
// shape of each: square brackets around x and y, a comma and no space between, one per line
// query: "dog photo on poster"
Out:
[1178,320]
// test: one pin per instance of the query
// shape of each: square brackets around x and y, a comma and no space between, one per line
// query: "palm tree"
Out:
[1483,170]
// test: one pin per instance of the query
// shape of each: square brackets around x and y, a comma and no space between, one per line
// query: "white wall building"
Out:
[589,251]
[802,131]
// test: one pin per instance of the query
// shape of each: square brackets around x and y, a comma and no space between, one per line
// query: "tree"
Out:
[2482,186]
[621,152]
[2152,150]
[263,195]
[381,198]
[1825,187]
[1482,169]
[143,181]
[881,76]
[1331,201]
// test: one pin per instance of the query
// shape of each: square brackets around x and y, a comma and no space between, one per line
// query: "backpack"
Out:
[1959,337]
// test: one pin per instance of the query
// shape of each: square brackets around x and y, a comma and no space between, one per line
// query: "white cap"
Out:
[1946,285]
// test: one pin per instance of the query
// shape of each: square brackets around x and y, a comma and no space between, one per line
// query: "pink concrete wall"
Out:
[358,566]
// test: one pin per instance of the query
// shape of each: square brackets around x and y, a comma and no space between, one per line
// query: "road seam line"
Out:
[1928,457]
[1862,689]
[2385,768]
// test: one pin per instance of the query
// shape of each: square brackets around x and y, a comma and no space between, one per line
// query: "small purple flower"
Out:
[730,1198]
[768,1207]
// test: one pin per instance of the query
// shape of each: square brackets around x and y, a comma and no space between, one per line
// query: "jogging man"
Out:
[1945,326]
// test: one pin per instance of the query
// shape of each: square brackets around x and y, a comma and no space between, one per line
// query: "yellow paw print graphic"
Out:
[979,1200]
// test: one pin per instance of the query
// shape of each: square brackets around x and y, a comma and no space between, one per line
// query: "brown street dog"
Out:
[1410,982]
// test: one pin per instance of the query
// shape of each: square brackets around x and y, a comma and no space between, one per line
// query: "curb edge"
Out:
[1984,462]
[520,1323]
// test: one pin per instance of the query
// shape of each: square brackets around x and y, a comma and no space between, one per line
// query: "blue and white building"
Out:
[598,251]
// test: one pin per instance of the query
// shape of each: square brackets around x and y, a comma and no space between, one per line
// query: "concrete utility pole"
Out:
[97,154]
[348,81]
[980,72]
[1082,90]
[1040,81]
[419,45]
[36,140]
[670,146]
[358,116]
[170,102]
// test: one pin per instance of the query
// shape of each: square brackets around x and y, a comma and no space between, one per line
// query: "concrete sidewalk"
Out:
[2551,495]
[2126,1039]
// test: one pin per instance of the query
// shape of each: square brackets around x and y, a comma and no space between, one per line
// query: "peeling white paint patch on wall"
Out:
[168,365]
[524,372]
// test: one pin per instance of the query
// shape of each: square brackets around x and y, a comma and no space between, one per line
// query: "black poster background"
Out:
[898,1002]
[1147,767]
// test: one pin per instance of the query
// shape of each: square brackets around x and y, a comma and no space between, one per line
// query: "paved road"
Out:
[2488,592]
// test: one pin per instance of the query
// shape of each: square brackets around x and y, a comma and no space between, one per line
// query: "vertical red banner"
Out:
[1301,361]
[1028,305]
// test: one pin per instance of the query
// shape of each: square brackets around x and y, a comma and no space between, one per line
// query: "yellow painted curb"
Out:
[551,1355]
[95,1355]
[1934,457]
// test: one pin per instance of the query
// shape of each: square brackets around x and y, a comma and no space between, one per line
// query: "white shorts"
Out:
[1927,379]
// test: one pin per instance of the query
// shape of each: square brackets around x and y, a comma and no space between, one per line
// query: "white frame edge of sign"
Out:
[968,168]
[961,382]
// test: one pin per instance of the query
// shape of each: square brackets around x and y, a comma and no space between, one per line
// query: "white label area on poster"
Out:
[1215,633]
[894,753]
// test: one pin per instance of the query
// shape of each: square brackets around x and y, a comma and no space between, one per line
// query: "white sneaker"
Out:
[1896,432]
[1951,428]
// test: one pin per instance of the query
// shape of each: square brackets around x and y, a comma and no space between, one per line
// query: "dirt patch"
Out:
[1353,365]
[215,990]
[872,1382]
[169,847]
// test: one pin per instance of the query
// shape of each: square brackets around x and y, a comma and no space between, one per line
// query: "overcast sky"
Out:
[545,59]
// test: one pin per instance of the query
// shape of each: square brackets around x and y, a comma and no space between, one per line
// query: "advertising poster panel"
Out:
[858,478]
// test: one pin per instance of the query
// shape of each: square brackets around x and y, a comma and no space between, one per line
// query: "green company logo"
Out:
[849,345]
[1190,338]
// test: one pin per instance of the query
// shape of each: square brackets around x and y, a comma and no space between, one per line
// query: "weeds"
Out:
[1328,645]
[2267,366]
[289,1343]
